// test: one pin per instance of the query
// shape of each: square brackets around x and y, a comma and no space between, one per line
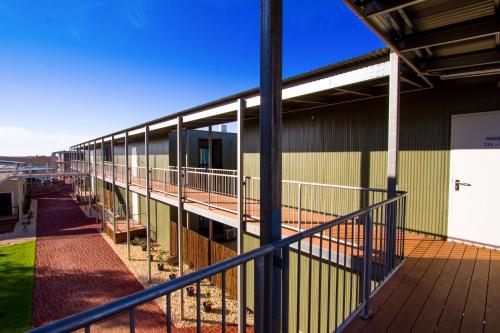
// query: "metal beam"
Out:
[241,272]
[148,197]
[481,27]
[270,160]
[489,57]
[374,8]
[180,208]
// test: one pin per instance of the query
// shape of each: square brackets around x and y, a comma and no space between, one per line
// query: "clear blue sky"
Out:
[72,70]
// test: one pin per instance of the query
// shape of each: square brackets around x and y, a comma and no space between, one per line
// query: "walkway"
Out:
[76,269]
[442,286]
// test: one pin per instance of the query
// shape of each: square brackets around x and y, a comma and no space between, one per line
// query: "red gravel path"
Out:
[76,269]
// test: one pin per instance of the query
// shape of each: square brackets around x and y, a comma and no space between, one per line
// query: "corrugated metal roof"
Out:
[426,31]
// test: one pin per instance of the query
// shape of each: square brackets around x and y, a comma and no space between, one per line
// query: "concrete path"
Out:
[21,234]
[76,269]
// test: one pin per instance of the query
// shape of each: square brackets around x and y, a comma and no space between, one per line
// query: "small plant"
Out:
[172,276]
[27,202]
[136,241]
[207,305]
[190,291]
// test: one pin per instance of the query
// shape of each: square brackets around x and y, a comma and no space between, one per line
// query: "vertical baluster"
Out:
[337,278]
[223,286]
[259,297]
[320,278]
[309,285]
[298,285]
[169,313]
[329,279]
[198,312]
[132,319]
[285,278]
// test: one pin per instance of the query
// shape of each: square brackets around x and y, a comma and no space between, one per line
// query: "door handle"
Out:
[458,183]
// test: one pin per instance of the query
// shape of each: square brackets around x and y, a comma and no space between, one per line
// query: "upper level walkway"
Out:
[212,193]
[442,286]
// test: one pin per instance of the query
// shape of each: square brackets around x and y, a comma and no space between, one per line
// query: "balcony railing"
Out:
[305,204]
[338,290]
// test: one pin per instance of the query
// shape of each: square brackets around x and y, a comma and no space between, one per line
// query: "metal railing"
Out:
[334,276]
[304,204]
[7,171]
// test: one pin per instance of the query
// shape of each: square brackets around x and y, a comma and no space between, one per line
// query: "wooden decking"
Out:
[120,233]
[442,286]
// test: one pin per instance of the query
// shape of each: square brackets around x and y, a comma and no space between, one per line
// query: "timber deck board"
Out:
[442,286]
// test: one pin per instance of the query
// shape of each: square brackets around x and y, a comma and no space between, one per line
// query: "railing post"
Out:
[367,265]
[299,218]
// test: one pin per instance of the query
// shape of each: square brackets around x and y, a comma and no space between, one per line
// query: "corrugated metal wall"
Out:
[346,144]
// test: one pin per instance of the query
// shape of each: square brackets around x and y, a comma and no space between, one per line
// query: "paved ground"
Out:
[76,269]
[21,234]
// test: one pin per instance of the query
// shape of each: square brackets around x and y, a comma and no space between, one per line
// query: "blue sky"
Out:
[73,70]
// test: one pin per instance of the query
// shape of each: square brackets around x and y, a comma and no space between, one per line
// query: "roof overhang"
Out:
[437,38]
[354,80]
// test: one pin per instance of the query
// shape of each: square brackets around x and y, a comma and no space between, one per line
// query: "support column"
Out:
[83,178]
[89,180]
[270,162]
[95,180]
[210,166]
[180,208]
[127,200]
[148,196]
[241,271]
[113,204]
[103,201]
[392,157]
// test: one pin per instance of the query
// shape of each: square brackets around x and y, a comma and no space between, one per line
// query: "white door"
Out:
[135,196]
[474,208]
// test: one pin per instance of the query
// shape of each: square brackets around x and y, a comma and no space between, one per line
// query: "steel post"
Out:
[148,197]
[113,204]
[95,179]
[270,156]
[180,208]
[127,199]
[103,201]
[392,157]
[241,227]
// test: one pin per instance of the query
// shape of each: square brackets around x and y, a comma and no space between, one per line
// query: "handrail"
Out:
[130,302]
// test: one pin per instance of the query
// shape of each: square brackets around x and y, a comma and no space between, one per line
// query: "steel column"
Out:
[113,183]
[89,180]
[127,200]
[270,156]
[95,179]
[240,192]
[148,197]
[180,208]
[392,156]
[103,201]
[210,167]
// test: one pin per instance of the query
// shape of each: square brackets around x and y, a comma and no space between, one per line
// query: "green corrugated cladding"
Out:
[346,144]
[342,289]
